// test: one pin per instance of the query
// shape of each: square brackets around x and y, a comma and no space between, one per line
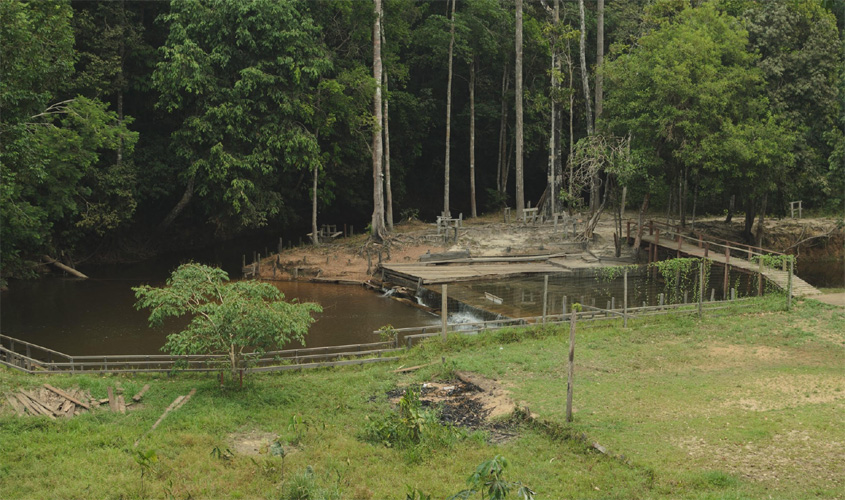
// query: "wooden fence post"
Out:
[789,288]
[545,296]
[443,310]
[571,371]
[625,300]
[700,286]
[760,276]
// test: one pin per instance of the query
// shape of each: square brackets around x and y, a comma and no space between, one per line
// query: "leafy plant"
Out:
[305,486]
[409,214]
[298,426]
[232,318]
[146,460]
[488,480]
[410,426]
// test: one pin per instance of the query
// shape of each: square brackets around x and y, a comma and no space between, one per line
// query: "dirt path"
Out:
[355,258]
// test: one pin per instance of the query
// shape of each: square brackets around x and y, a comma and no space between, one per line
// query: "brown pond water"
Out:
[98,316]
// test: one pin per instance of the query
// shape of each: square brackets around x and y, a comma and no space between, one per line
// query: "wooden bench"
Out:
[530,215]
[444,223]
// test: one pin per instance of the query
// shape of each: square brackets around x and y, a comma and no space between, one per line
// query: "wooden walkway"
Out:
[734,254]
[427,274]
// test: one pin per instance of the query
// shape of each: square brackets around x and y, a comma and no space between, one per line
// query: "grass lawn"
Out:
[744,405]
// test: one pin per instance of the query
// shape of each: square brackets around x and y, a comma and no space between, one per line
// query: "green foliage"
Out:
[693,97]
[247,80]
[680,275]
[306,486]
[489,482]
[410,427]
[231,318]
[611,273]
[60,183]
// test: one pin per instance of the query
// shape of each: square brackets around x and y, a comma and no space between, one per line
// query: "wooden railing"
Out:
[32,358]
[411,335]
[702,240]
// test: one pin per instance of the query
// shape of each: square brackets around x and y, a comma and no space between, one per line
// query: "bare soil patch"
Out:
[783,459]
[255,442]
[470,400]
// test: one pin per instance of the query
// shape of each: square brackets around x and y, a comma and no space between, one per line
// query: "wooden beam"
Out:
[137,397]
[66,396]
[63,267]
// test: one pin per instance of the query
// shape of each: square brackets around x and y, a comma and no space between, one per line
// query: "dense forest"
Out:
[132,127]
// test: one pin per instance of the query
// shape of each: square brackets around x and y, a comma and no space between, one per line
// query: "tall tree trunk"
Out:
[682,195]
[585,77]
[377,223]
[315,236]
[508,158]
[388,191]
[472,138]
[571,192]
[640,217]
[585,81]
[750,212]
[501,182]
[177,209]
[694,204]
[730,209]
[761,226]
[553,116]
[449,114]
[120,80]
[599,55]
[520,194]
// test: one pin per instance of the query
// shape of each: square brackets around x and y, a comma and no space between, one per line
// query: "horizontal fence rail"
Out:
[411,335]
[32,358]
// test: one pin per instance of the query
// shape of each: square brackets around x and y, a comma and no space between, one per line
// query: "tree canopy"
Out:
[152,126]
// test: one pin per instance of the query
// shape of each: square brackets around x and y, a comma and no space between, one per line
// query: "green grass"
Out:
[743,405]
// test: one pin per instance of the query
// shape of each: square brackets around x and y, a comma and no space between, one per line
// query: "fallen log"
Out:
[414,368]
[137,397]
[177,403]
[64,268]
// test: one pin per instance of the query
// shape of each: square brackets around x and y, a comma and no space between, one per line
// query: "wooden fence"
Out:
[32,358]
[412,335]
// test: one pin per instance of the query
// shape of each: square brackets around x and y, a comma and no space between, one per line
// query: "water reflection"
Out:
[98,316]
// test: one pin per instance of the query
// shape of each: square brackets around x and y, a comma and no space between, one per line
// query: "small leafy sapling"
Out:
[233,318]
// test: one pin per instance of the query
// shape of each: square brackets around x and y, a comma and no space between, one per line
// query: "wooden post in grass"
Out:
[625,299]
[569,378]
[700,285]
[545,295]
[443,311]
[789,288]
[760,276]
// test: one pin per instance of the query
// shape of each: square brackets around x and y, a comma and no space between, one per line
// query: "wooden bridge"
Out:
[729,253]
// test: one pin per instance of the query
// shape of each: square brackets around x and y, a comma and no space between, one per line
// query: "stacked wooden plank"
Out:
[50,402]
[53,402]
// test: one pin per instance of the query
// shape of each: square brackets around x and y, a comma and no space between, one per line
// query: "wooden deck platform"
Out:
[436,274]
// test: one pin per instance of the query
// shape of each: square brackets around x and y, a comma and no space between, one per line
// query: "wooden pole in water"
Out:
[443,311]
[545,295]
[571,371]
